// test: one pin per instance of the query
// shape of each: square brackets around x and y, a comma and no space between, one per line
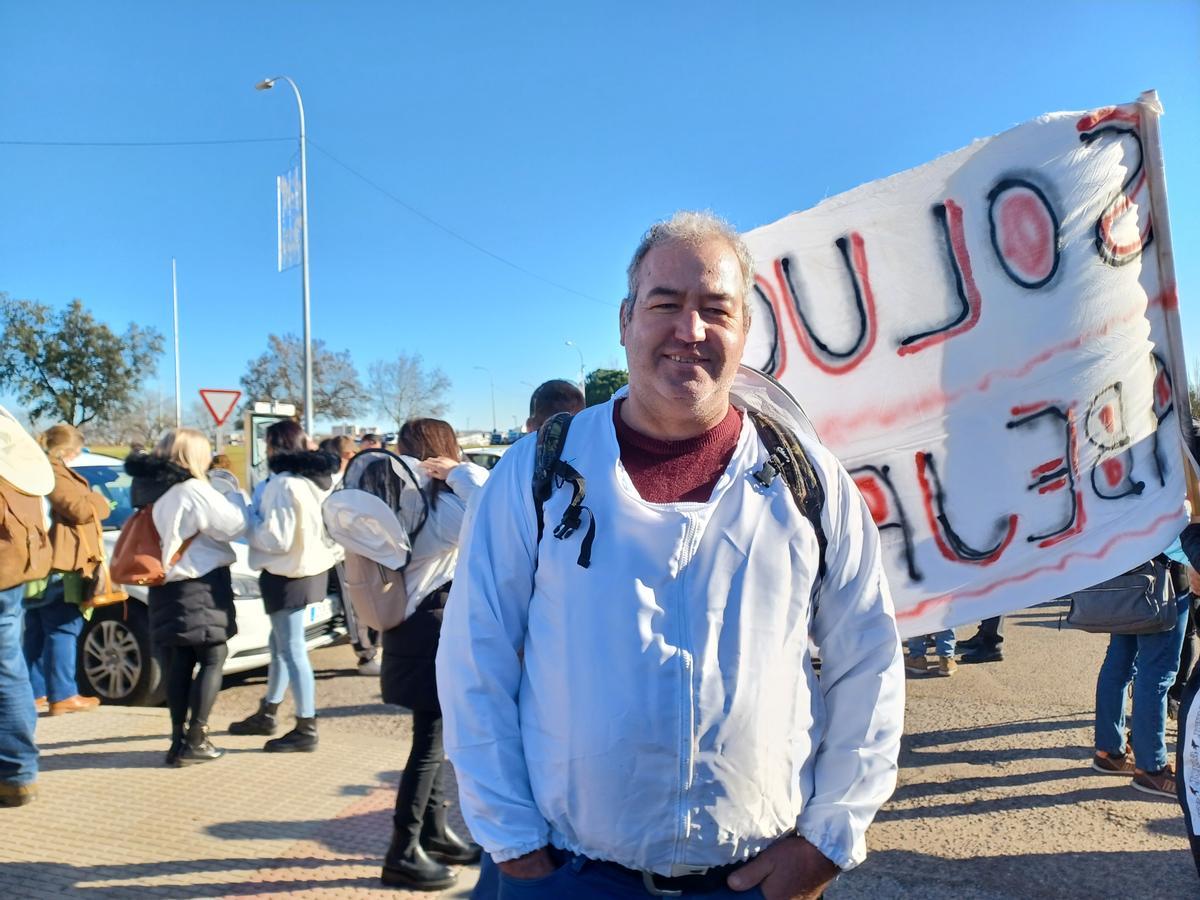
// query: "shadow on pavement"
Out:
[82,880]
[116,739]
[1107,789]
[121,759]
[1165,874]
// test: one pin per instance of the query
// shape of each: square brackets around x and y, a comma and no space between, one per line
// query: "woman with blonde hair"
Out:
[191,613]
[53,619]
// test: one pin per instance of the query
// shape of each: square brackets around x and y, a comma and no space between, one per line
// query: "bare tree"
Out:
[142,419]
[279,375]
[404,389]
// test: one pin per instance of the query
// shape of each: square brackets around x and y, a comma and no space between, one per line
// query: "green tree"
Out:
[279,375]
[65,365]
[603,383]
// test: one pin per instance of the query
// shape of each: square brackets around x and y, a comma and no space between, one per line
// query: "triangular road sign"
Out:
[219,402]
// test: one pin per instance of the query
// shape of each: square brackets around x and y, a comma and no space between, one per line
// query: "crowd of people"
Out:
[613,636]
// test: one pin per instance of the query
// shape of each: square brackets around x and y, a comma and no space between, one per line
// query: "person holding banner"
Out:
[629,695]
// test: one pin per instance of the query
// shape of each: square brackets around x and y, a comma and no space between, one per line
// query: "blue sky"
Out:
[550,134]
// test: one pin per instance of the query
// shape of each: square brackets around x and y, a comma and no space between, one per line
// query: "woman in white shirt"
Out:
[421,839]
[288,542]
[191,613]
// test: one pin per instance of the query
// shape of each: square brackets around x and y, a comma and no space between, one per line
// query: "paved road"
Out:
[995,797]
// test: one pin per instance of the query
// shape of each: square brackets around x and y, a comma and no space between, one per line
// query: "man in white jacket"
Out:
[634,711]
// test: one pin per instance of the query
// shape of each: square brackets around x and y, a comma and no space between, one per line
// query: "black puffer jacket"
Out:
[408,676]
[194,611]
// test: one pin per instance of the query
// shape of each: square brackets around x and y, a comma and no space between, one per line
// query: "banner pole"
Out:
[1156,183]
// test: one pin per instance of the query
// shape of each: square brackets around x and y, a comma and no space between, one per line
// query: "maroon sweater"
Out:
[676,471]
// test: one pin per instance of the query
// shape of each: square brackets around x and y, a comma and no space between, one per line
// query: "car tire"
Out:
[117,662]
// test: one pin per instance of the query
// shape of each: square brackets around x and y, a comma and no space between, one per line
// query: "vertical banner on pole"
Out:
[290,217]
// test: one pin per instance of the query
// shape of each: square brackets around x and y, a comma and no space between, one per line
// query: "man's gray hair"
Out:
[690,227]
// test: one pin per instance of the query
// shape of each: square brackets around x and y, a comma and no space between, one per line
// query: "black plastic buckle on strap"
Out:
[572,517]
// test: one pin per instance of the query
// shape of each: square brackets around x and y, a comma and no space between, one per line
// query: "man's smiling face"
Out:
[685,331]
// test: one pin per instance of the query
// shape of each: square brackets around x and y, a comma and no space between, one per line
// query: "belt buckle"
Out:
[654,889]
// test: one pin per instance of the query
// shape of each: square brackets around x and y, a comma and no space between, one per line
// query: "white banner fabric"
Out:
[984,343]
[287,188]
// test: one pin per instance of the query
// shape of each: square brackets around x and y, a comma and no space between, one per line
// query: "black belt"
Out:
[707,882]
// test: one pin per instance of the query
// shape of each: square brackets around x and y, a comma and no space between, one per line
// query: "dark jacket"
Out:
[195,611]
[408,675]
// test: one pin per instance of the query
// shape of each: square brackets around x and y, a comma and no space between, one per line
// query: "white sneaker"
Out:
[369,667]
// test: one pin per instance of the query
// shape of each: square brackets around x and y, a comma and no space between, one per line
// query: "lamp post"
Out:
[493,387]
[582,381]
[265,85]
[175,318]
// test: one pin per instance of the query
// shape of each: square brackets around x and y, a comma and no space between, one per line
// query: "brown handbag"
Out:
[106,590]
[137,557]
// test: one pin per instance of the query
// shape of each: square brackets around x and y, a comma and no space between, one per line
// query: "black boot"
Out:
[198,748]
[177,743]
[448,847]
[302,738]
[441,843]
[407,865]
[262,722]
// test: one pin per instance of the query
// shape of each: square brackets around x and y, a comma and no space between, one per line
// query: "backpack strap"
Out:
[787,458]
[550,473]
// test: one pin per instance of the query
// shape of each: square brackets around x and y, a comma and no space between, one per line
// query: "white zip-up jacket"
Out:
[666,716]
[195,507]
[287,535]
[435,549]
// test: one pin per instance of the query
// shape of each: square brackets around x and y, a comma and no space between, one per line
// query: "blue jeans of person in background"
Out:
[289,663]
[51,644]
[582,879]
[1150,662]
[18,749]
[943,644]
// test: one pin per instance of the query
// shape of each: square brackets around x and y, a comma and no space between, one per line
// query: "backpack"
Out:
[25,550]
[1140,601]
[137,556]
[786,458]
[376,513]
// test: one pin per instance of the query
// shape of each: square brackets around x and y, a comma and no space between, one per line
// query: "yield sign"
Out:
[219,402]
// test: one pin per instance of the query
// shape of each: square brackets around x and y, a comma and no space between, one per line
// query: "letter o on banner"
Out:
[1024,232]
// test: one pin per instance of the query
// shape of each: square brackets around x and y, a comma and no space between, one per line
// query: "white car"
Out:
[486,456]
[116,661]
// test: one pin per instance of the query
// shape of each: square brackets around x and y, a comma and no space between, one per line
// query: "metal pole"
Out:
[493,387]
[308,367]
[582,380]
[175,314]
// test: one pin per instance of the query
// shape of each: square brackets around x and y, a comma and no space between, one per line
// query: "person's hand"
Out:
[438,466]
[790,869]
[537,864]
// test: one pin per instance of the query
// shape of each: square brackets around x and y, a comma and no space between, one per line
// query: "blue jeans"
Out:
[18,750]
[51,645]
[289,663]
[581,879]
[943,644]
[1150,662]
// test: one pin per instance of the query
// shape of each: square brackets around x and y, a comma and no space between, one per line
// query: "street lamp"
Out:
[265,85]
[493,386]
[582,382]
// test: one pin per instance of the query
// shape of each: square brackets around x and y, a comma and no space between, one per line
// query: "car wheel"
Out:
[116,660]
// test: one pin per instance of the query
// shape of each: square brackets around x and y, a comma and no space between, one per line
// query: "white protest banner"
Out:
[990,344]
[289,216]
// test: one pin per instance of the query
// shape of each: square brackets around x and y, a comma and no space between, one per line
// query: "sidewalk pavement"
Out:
[113,821]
